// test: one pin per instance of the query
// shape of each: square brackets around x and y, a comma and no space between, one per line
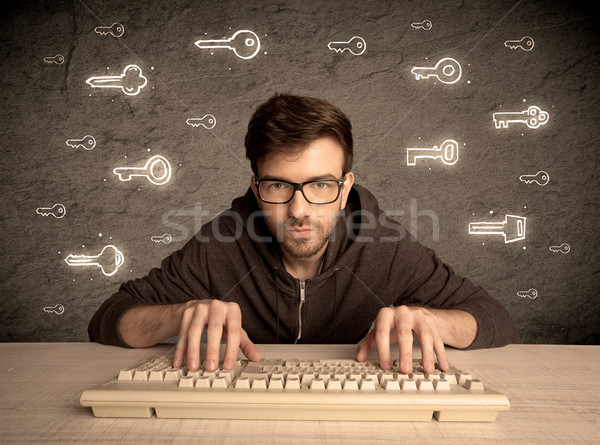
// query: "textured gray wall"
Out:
[46,104]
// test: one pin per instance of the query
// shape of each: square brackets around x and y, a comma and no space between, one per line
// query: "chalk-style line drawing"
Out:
[57,210]
[148,170]
[425,24]
[108,260]
[447,70]
[532,116]
[57,309]
[564,248]
[208,121]
[58,59]
[512,228]
[526,43]
[115,30]
[531,293]
[244,43]
[88,142]
[166,238]
[540,178]
[356,45]
[447,152]
[130,82]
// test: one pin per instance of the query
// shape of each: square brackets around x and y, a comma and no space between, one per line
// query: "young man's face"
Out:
[302,228]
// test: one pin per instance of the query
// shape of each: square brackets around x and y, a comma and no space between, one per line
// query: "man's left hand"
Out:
[397,324]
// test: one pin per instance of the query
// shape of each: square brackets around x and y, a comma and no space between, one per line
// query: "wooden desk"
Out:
[554,393]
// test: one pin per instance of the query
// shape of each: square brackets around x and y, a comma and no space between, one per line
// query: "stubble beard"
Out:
[302,247]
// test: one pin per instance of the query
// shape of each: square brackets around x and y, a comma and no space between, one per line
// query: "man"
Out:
[305,256]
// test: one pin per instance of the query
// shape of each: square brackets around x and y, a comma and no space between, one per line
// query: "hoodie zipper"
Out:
[302,299]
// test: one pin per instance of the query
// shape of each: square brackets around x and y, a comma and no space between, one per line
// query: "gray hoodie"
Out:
[371,262]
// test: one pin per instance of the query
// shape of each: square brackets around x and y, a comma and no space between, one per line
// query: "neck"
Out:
[303,268]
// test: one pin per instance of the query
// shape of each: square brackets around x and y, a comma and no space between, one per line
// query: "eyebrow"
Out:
[312,178]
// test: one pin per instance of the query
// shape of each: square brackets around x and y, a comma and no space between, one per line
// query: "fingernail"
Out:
[192,364]
[228,363]
[386,365]
[210,365]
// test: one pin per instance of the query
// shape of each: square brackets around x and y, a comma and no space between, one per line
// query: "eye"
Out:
[278,185]
[320,185]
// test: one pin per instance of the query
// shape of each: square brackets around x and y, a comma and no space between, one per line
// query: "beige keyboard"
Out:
[295,390]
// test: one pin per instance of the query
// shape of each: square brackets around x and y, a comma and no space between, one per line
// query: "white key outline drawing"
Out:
[208,121]
[126,173]
[88,142]
[526,43]
[447,71]
[130,73]
[425,24]
[533,117]
[58,59]
[250,40]
[564,248]
[92,260]
[57,210]
[115,30]
[540,178]
[447,152]
[499,228]
[356,46]
[531,293]
[166,239]
[57,309]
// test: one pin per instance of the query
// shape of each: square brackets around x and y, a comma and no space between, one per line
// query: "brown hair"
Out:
[287,123]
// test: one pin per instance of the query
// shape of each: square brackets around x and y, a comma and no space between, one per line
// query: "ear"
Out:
[254,189]
[346,189]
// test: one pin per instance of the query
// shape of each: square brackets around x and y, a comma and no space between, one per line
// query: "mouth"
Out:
[300,232]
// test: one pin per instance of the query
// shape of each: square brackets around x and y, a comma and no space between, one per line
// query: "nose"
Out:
[298,206]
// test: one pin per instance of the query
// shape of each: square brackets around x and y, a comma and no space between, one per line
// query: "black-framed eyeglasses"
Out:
[319,191]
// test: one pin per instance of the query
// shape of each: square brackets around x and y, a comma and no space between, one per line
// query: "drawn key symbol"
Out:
[245,44]
[130,82]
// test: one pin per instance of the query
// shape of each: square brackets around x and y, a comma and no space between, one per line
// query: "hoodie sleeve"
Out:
[182,276]
[421,278]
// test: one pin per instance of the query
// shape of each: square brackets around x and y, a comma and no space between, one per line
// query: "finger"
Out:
[194,335]
[440,352]
[405,344]
[365,346]
[248,347]
[180,349]
[428,358]
[233,323]
[214,332]
[383,327]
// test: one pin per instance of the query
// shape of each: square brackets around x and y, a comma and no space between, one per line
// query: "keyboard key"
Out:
[334,384]
[317,384]
[126,374]
[473,385]
[203,382]
[441,385]
[292,382]
[391,385]
[259,383]
[350,385]
[367,385]
[424,385]
[276,382]
[408,384]
[242,382]
[186,381]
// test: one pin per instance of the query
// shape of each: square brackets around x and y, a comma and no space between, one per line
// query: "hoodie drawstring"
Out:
[275,269]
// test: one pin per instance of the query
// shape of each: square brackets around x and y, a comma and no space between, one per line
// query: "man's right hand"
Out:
[214,315]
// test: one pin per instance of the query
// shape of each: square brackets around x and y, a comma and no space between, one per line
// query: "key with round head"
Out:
[109,260]
[447,152]
[88,142]
[425,24]
[244,43]
[57,59]
[157,170]
[57,210]
[531,293]
[208,121]
[564,248]
[166,238]
[447,70]
[526,43]
[115,30]
[356,45]
[57,309]
[131,81]
[540,178]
